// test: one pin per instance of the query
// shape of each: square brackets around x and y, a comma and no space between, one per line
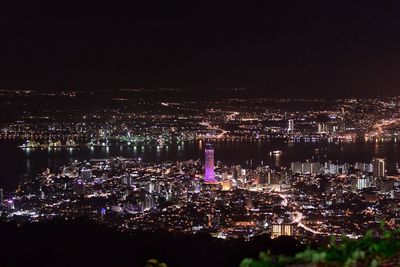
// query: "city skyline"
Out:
[231,133]
[238,169]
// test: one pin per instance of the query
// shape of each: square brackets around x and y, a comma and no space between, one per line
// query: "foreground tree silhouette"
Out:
[376,248]
[155,263]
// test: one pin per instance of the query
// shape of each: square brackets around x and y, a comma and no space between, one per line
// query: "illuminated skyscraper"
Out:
[209,175]
[379,167]
[322,128]
[296,167]
[362,182]
[282,230]
[290,126]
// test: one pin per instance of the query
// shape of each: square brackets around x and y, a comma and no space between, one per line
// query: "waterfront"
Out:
[16,163]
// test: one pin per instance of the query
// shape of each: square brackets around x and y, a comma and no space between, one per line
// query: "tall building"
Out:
[296,167]
[237,172]
[315,167]
[148,202]
[290,126]
[362,182]
[1,196]
[209,174]
[379,167]
[282,230]
[306,168]
[322,128]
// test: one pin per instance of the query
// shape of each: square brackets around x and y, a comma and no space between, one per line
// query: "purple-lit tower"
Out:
[209,175]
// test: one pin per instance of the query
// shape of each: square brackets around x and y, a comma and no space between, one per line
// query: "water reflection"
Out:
[15,162]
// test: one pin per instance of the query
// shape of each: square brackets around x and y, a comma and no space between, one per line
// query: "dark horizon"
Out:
[198,93]
[311,49]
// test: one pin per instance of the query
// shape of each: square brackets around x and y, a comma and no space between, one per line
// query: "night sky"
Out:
[294,48]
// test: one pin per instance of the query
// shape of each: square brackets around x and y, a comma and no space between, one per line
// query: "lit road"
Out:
[213,127]
[297,216]
[229,116]
[380,126]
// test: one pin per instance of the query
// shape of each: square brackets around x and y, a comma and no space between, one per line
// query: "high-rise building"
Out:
[362,182]
[265,173]
[359,166]
[209,174]
[322,128]
[296,167]
[237,172]
[315,167]
[306,168]
[148,202]
[282,230]
[379,167]
[1,196]
[368,167]
[290,126]
[256,178]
